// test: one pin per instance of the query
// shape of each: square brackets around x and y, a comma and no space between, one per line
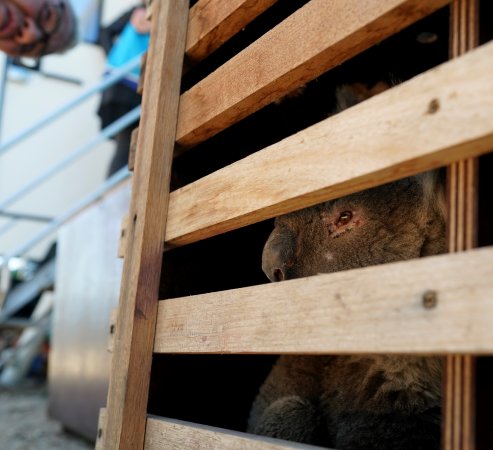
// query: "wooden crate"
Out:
[242,155]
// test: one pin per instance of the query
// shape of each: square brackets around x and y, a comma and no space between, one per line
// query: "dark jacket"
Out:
[118,99]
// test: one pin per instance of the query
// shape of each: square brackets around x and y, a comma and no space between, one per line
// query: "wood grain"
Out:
[142,70]
[131,363]
[371,310]
[316,38]
[134,137]
[122,241]
[389,136]
[167,434]
[112,329]
[103,417]
[213,22]
[459,389]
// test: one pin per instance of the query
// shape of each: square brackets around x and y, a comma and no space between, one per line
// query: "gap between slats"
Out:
[387,137]
[378,309]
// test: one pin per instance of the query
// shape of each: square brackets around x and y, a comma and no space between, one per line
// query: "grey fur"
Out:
[355,402]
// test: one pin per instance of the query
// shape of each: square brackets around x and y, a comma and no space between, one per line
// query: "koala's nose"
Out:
[278,275]
[278,254]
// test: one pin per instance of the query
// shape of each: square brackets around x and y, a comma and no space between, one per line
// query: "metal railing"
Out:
[109,80]
[53,224]
[107,133]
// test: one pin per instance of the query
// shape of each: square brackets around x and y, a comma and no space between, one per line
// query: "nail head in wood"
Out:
[433,106]
[430,299]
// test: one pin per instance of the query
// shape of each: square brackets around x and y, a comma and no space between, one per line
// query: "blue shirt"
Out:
[129,44]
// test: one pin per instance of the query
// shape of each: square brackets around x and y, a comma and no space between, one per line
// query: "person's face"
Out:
[35,27]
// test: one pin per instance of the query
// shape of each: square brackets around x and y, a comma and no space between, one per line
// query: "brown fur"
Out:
[355,402]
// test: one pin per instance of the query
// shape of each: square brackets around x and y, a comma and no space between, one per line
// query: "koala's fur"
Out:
[394,222]
[355,402]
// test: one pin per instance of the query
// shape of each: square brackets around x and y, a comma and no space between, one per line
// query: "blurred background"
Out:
[28,96]
[59,232]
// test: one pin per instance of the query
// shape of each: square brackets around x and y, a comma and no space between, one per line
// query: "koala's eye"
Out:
[344,218]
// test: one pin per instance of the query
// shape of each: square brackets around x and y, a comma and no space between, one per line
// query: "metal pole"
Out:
[109,131]
[4,64]
[116,178]
[8,226]
[110,79]
[24,216]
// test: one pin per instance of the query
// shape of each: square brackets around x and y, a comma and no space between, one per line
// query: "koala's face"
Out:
[393,222]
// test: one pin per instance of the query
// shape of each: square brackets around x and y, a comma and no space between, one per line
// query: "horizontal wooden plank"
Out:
[438,117]
[213,22]
[440,304]
[162,434]
[317,37]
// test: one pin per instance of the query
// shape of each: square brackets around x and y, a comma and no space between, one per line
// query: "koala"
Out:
[356,402]
[362,401]
[394,222]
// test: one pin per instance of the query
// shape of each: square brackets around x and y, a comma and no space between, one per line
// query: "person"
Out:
[35,28]
[123,40]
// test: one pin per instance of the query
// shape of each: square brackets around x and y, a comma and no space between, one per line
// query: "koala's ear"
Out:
[348,95]
[433,183]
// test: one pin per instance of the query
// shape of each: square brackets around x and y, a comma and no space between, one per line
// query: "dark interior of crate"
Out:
[219,389]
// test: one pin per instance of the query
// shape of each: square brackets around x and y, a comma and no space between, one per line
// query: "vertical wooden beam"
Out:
[134,334]
[459,392]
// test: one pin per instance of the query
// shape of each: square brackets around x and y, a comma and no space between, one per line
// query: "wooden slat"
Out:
[112,329]
[122,241]
[213,22]
[140,84]
[129,380]
[317,37]
[149,4]
[374,309]
[459,429]
[463,174]
[132,151]
[172,434]
[103,417]
[389,136]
